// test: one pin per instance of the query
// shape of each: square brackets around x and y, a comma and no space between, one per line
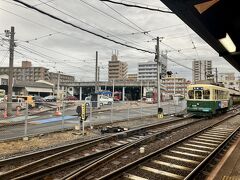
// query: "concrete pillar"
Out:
[80,93]
[123,94]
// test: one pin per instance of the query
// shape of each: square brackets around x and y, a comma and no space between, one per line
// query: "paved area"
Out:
[229,166]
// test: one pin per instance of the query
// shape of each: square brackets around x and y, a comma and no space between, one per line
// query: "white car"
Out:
[103,100]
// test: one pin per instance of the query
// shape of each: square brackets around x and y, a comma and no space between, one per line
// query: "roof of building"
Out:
[31,84]
[212,20]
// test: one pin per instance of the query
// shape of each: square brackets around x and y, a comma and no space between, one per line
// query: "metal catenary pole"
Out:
[158,75]
[10,75]
[96,73]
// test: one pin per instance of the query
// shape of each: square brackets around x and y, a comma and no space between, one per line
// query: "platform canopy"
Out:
[215,21]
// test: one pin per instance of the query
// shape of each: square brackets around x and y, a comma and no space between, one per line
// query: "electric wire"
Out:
[137,6]
[39,60]
[125,17]
[46,56]
[4,58]
[37,38]
[108,34]
[44,26]
[133,2]
[99,10]
[142,31]
[57,52]
[78,27]
[151,52]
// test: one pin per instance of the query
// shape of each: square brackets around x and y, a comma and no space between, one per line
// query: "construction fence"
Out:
[45,117]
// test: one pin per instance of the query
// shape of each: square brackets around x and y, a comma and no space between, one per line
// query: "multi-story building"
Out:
[201,70]
[62,79]
[117,70]
[175,85]
[132,77]
[229,80]
[31,74]
[226,77]
[148,70]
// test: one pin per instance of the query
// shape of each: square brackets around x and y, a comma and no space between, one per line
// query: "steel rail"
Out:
[203,164]
[25,168]
[118,173]
[54,150]
[91,166]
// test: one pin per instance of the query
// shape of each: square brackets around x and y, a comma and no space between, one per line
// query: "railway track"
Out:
[182,159]
[69,155]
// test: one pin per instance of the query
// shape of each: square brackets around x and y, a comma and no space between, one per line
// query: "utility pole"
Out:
[216,75]
[200,70]
[96,73]
[58,82]
[158,77]
[98,78]
[10,73]
[174,85]
[113,90]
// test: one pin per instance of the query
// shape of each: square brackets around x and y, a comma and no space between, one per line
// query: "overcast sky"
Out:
[49,43]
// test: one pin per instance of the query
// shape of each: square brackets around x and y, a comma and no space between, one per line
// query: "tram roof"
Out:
[211,20]
[207,85]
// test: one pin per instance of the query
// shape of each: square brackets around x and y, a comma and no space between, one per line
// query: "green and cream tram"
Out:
[207,100]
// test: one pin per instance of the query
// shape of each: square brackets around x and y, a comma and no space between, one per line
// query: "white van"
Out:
[103,100]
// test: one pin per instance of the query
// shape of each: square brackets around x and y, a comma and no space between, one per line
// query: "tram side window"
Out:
[206,94]
[198,94]
[190,94]
[216,94]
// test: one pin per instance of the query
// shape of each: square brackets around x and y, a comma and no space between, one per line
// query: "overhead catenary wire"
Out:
[49,57]
[78,27]
[148,5]
[40,37]
[70,35]
[38,61]
[4,58]
[57,52]
[95,27]
[137,6]
[125,17]
[44,26]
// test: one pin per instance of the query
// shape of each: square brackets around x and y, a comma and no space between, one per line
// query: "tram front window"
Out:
[206,94]
[190,94]
[198,94]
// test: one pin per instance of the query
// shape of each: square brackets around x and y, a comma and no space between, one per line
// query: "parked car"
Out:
[17,103]
[39,101]
[28,99]
[70,98]
[50,99]
[103,100]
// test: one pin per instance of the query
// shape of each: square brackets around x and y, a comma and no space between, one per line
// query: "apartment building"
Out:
[229,80]
[132,77]
[175,85]
[31,74]
[226,77]
[148,70]
[202,70]
[117,70]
